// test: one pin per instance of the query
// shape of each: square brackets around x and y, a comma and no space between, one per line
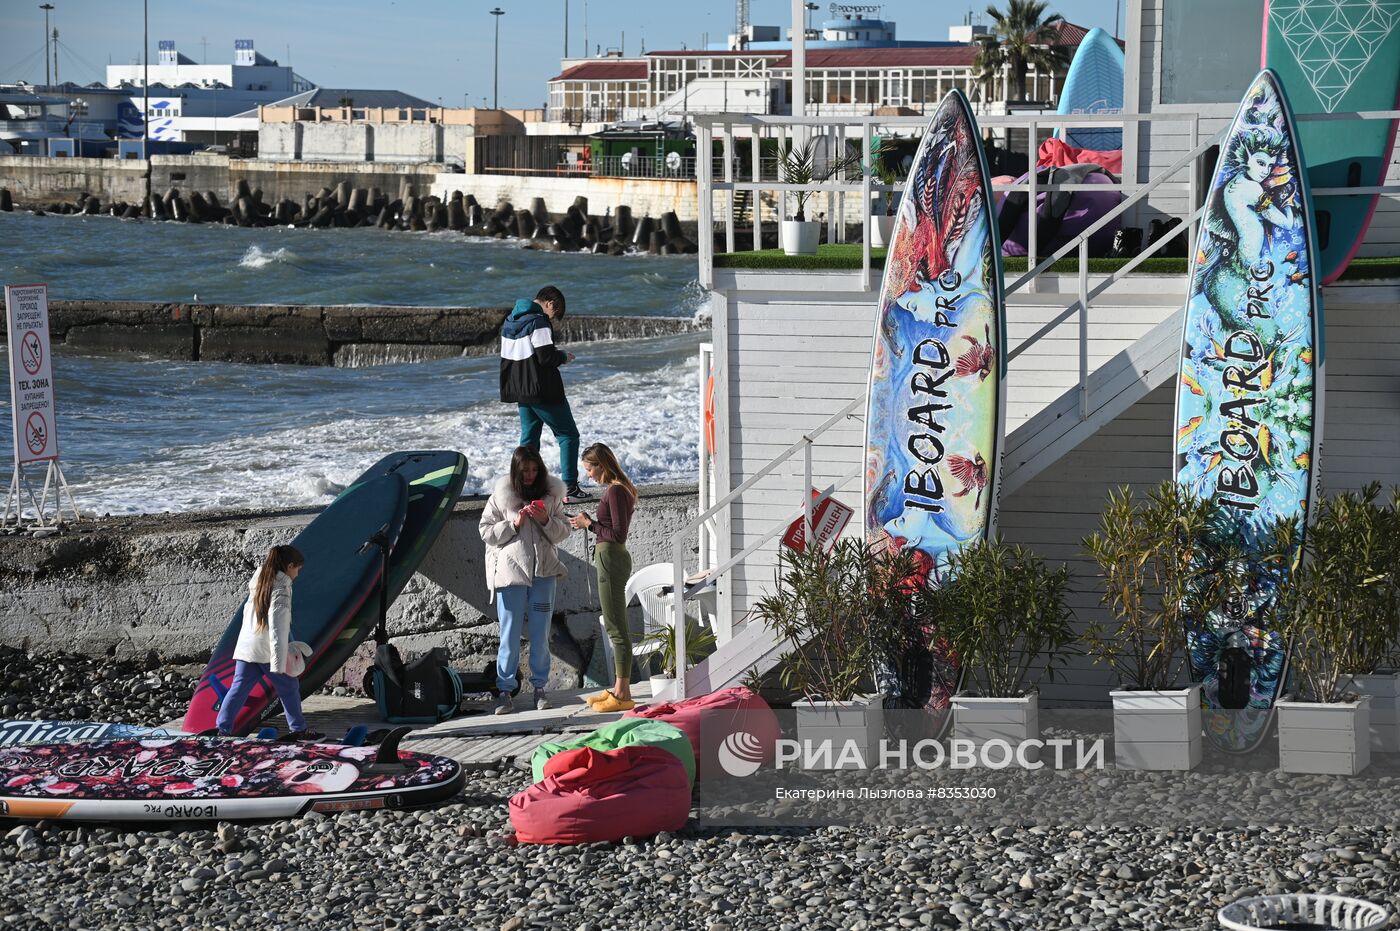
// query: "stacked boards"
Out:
[188,778]
[434,479]
[1249,395]
[1339,56]
[1093,84]
[937,402]
[336,600]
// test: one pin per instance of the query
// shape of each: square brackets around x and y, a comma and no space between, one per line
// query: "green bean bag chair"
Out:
[626,732]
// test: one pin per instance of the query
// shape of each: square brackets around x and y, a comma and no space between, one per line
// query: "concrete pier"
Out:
[346,336]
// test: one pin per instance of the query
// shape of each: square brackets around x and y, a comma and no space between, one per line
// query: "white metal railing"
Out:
[838,132]
[1081,304]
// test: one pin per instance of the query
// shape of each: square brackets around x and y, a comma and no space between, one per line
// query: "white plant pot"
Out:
[1014,720]
[1157,730]
[1384,690]
[663,688]
[851,729]
[800,237]
[881,230]
[1324,738]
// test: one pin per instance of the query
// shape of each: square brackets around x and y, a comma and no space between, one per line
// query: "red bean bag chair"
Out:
[590,795]
[741,731]
[623,732]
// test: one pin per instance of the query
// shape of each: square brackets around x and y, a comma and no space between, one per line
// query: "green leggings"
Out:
[614,566]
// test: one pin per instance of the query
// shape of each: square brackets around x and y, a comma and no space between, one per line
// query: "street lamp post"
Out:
[146,94]
[496,70]
[46,7]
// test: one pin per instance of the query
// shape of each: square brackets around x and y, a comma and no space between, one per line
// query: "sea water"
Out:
[145,435]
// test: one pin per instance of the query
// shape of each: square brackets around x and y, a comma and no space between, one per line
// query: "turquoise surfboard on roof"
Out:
[1339,57]
[1094,84]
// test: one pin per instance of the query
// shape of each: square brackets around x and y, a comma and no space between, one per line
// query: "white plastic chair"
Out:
[650,586]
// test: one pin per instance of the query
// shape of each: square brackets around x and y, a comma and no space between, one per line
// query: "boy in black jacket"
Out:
[530,377]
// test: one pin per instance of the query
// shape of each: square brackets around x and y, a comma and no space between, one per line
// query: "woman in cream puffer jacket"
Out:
[522,527]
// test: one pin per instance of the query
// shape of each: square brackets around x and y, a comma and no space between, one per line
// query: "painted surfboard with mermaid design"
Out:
[1248,422]
[937,404]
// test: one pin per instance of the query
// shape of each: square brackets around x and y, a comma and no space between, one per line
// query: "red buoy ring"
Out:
[710,415]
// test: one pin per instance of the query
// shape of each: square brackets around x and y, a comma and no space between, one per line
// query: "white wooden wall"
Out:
[795,358]
[1157,147]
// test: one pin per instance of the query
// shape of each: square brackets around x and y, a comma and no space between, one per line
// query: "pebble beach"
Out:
[456,865]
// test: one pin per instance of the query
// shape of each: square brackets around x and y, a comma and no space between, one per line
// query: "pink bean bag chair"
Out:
[592,795]
[736,722]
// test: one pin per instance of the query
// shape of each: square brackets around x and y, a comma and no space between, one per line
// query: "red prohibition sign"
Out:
[31,352]
[36,433]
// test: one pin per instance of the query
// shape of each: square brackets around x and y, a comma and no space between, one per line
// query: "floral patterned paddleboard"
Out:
[212,778]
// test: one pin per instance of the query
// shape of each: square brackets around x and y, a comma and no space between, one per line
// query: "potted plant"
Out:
[1002,610]
[699,643]
[1375,564]
[882,223]
[1155,559]
[1334,608]
[801,164]
[836,609]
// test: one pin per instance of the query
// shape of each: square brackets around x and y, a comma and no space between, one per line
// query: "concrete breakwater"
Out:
[338,335]
[167,585]
[343,199]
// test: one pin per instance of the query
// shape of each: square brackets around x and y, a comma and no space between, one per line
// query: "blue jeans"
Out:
[515,605]
[560,419]
[245,676]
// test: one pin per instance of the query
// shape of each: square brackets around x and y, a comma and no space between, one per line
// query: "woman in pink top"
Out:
[614,565]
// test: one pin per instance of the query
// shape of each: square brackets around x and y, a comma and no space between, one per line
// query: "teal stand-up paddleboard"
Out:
[434,479]
[1339,56]
[1249,393]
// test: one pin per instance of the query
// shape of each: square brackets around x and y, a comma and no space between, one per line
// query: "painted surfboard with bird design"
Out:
[936,410]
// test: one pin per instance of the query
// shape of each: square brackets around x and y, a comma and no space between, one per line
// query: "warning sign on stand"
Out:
[829,518]
[31,375]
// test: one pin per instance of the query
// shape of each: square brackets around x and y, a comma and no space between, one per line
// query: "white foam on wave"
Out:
[258,257]
[648,418]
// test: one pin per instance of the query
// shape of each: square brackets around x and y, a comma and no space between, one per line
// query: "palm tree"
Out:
[1023,36]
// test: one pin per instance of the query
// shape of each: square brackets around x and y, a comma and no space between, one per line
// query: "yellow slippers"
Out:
[612,704]
[604,695]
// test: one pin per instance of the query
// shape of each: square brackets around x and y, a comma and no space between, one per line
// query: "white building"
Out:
[191,102]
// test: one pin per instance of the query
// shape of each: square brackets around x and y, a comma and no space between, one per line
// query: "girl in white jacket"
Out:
[262,651]
[522,526]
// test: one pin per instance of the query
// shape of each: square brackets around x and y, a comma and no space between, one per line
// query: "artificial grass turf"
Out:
[846,257]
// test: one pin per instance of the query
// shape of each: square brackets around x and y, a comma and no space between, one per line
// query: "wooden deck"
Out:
[477,738]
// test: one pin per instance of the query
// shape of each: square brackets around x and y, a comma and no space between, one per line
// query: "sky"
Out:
[431,48]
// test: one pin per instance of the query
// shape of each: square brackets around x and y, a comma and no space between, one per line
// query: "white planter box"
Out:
[1318,738]
[1013,720]
[881,229]
[1384,690]
[800,237]
[858,724]
[663,688]
[1157,730]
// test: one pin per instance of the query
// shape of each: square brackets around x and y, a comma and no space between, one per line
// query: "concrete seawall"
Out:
[297,334]
[35,182]
[169,584]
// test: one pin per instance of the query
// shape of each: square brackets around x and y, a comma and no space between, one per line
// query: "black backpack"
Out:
[1232,669]
[425,691]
